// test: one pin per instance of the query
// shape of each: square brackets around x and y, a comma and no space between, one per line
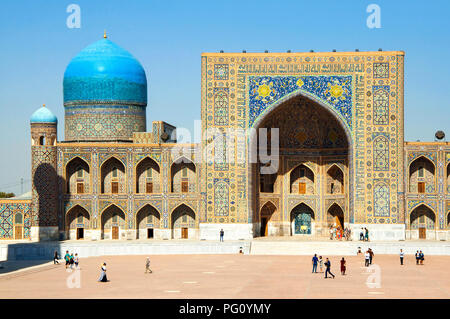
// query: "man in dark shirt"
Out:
[371,256]
[221,234]
[328,270]
[315,260]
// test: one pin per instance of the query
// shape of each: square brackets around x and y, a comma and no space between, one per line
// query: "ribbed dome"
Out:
[43,115]
[103,71]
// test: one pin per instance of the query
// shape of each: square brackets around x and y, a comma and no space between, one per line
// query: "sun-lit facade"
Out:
[338,118]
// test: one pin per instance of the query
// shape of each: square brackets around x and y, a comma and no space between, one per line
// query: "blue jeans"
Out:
[314,268]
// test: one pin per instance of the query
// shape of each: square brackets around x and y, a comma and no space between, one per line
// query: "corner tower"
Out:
[44,177]
[105,94]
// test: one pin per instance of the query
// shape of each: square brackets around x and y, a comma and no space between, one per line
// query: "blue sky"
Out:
[167,37]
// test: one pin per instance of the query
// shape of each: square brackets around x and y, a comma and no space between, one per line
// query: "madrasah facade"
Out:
[338,123]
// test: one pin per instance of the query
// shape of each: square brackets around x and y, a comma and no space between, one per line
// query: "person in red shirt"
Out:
[343,266]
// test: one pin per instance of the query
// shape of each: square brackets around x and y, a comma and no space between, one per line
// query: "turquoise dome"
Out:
[43,115]
[103,71]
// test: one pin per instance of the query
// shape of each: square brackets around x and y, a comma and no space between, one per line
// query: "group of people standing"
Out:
[364,234]
[70,259]
[420,257]
[368,257]
[336,232]
[318,262]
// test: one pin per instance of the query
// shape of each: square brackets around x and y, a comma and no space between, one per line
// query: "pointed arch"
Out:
[302,180]
[182,220]
[147,217]
[182,175]
[335,215]
[342,123]
[335,180]
[265,215]
[77,174]
[301,218]
[113,220]
[77,217]
[148,176]
[423,216]
[112,176]
[422,175]
[421,204]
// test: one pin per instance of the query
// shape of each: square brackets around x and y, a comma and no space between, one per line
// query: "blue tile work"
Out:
[105,94]
[110,89]
[335,91]
[7,213]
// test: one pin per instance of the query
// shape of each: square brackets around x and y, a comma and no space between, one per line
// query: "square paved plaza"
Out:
[232,276]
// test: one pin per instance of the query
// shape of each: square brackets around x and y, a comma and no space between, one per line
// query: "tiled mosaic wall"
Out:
[434,202]
[163,201]
[364,91]
[8,211]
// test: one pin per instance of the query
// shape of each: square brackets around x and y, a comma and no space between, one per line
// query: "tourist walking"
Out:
[421,257]
[221,234]
[367,258]
[343,266]
[71,260]
[366,235]
[103,274]
[370,255]
[67,258]
[315,260]
[55,258]
[417,257]
[402,255]
[331,232]
[328,270]
[361,234]
[147,266]
[76,260]
[320,264]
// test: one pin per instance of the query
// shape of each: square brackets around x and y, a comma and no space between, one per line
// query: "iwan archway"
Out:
[313,137]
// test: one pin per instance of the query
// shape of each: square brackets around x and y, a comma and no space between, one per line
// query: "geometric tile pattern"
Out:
[221,106]
[380,105]
[381,70]
[381,200]
[335,91]
[7,213]
[381,153]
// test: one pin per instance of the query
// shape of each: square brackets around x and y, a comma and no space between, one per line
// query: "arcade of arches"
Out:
[310,190]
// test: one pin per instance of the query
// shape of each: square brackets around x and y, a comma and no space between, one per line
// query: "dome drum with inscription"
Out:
[105,94]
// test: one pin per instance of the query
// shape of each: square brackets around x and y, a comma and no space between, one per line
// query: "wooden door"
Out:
[115,232]
[114,187]
[302,188]
[184,186]
[422,233]
[264,224]
[18,232]
[340,222]
[149,233]
[80,188]
[149,187]
[184,232]
[421,187]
